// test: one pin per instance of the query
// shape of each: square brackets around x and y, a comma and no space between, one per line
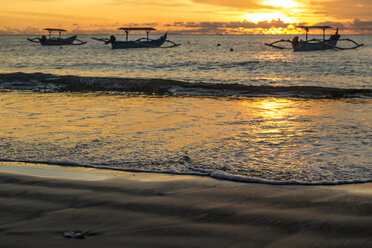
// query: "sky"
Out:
[184,16]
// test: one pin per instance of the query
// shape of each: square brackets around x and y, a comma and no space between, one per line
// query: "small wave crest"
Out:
[40,82]
[197,172]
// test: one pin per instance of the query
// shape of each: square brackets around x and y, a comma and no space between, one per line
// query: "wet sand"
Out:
[154,210]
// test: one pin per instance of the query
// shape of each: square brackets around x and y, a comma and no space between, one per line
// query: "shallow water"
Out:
[269,138]
[291,135]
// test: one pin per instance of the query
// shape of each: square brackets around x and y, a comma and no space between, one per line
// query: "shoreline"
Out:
[20,165]
[157,210]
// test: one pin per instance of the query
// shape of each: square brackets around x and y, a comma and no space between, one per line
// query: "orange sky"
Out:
[183,16]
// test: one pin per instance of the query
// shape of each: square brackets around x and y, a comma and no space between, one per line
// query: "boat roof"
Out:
[55,29]
[139,28]
[316,27]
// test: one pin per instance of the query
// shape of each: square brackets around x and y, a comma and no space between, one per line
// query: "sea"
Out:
[221,106]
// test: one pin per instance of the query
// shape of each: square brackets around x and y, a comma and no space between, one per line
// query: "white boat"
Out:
[315,44]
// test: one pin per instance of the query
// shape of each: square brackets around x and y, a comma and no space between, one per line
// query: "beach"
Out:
[186,124]
[121,209]
[201,145]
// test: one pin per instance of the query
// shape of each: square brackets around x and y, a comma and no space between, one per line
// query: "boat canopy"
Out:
[140,28]
[50,30]
[55,29]
[316,27]
[147,29]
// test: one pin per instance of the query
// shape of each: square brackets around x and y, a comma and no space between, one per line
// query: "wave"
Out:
[40,82]
[198,172]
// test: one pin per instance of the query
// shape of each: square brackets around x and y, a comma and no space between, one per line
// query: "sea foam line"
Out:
[198,172]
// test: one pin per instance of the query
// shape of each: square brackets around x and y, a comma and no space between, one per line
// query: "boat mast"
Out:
[126,35]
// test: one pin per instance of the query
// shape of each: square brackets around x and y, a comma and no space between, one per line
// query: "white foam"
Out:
[198,172]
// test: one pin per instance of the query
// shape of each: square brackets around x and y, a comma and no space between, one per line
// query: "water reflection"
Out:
[271,138]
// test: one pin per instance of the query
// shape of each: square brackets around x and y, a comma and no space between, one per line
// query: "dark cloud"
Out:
[361,25]
[225,27]
[356,25]
[332,24]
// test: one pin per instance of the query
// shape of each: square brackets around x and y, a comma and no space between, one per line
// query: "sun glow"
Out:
[260,17]
[281,3]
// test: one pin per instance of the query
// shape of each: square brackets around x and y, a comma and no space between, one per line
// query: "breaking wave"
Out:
[216,174]
[40,82]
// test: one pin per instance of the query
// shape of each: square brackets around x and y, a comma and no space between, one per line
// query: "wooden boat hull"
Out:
[58,41]
[139,44]
[314,45]
[307,46]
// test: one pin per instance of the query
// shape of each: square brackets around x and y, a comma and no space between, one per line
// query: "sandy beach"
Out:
[155,210]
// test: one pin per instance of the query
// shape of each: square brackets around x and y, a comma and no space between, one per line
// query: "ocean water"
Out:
[253,114]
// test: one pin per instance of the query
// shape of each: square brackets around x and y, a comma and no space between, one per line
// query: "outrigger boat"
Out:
[315,44]
[139,43]
[56,41]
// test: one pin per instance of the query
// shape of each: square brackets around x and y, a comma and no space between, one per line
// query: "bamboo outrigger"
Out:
[56,41]
[315,44]
[139,43]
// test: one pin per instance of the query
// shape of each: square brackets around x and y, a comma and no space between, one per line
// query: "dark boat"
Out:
[315,44]
[139,43]
[56,41]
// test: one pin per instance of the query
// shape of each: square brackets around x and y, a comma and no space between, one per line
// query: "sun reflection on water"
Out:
[273,138]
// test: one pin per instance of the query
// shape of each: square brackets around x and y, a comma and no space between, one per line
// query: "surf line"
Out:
[197,172]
